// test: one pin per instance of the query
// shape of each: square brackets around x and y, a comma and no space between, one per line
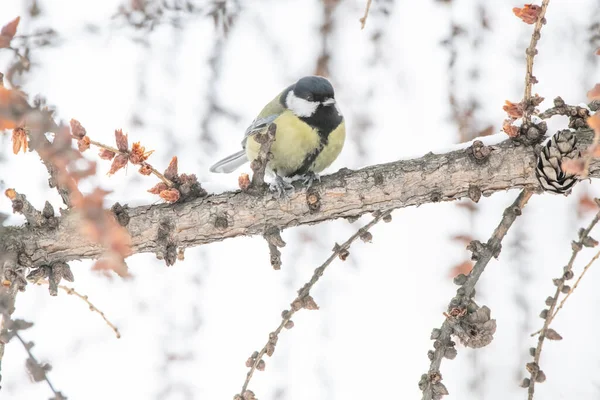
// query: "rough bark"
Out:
[345,194]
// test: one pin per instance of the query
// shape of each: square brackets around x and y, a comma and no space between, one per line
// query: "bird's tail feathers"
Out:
[230,163]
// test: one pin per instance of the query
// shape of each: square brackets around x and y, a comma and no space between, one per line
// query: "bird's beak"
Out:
[329,102]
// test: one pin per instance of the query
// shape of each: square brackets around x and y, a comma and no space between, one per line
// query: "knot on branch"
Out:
[479,151]
[166,248]
[54,273]
[475,329]
[273,237]
[35,218]
[121,213]
[431,384]
[259,165]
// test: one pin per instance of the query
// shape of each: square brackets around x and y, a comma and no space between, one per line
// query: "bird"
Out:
[310,134]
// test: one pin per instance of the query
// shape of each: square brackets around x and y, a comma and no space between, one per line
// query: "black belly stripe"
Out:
[324,120]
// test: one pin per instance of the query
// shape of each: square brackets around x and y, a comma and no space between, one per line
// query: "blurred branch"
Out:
[537,375]
[363,20]
[470,172]
[531,52]
[465,319]
[304,300]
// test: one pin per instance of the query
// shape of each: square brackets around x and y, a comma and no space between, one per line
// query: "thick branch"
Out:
[432,178]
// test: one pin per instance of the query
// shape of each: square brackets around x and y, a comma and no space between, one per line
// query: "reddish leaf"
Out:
[121,139]
[529,13]
[83,144]
[508,128]
[586,204]
[19,140]
[244,182]
[138,153]
[145,169]
[573,166]
[171,171]
[11,194]
[77,130]
[159,187]
[594,93]
[170,195]
[119,162]
[464,268]
[112,264]
[514,110]
[594,123]
[106,154]
[9,30]
[462,239]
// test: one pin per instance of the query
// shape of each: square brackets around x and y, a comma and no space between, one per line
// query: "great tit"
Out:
[310,133]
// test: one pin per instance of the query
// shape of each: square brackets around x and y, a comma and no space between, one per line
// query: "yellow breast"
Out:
[294,140]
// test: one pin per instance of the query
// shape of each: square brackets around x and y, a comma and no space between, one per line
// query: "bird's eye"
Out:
[309,97]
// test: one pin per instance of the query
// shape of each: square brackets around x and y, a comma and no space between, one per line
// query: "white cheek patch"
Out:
[300,107]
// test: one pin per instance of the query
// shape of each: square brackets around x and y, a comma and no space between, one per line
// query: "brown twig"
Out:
[363,19]
[585,269]
[304,300]
[259,165]
[93,308]
[552,302]
[273,237]
[21,205]
[531,52]
[144,163]
[42,371]
[430,383]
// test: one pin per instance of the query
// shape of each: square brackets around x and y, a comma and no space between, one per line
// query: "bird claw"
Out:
[309,178]
[280,188]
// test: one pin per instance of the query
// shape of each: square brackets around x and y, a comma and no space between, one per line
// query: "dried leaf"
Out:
[83,144]
[528,14]
[106,154]
[594,123]
[462,239]
[114,264]
[574,167]
[121,139]
[8,31]
[508,128]
[138,153]
[586,204]
[77,130]
[11,194]
[145,169]
[244,182]
[159,187]
[19,140]
[119,162]
[171,171]
[514,110]
[309,303]
[594,93]
[170,195]
[553,335]
[464,268]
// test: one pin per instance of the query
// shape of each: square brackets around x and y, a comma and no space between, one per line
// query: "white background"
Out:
[188,329]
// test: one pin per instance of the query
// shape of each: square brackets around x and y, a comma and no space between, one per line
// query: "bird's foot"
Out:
[281,188]
[309,179]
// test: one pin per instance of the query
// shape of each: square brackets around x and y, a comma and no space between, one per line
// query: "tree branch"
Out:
[472,172]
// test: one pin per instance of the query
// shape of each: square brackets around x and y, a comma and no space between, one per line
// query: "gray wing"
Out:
[258,125]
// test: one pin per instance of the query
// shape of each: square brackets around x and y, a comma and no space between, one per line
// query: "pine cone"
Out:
[562,145]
